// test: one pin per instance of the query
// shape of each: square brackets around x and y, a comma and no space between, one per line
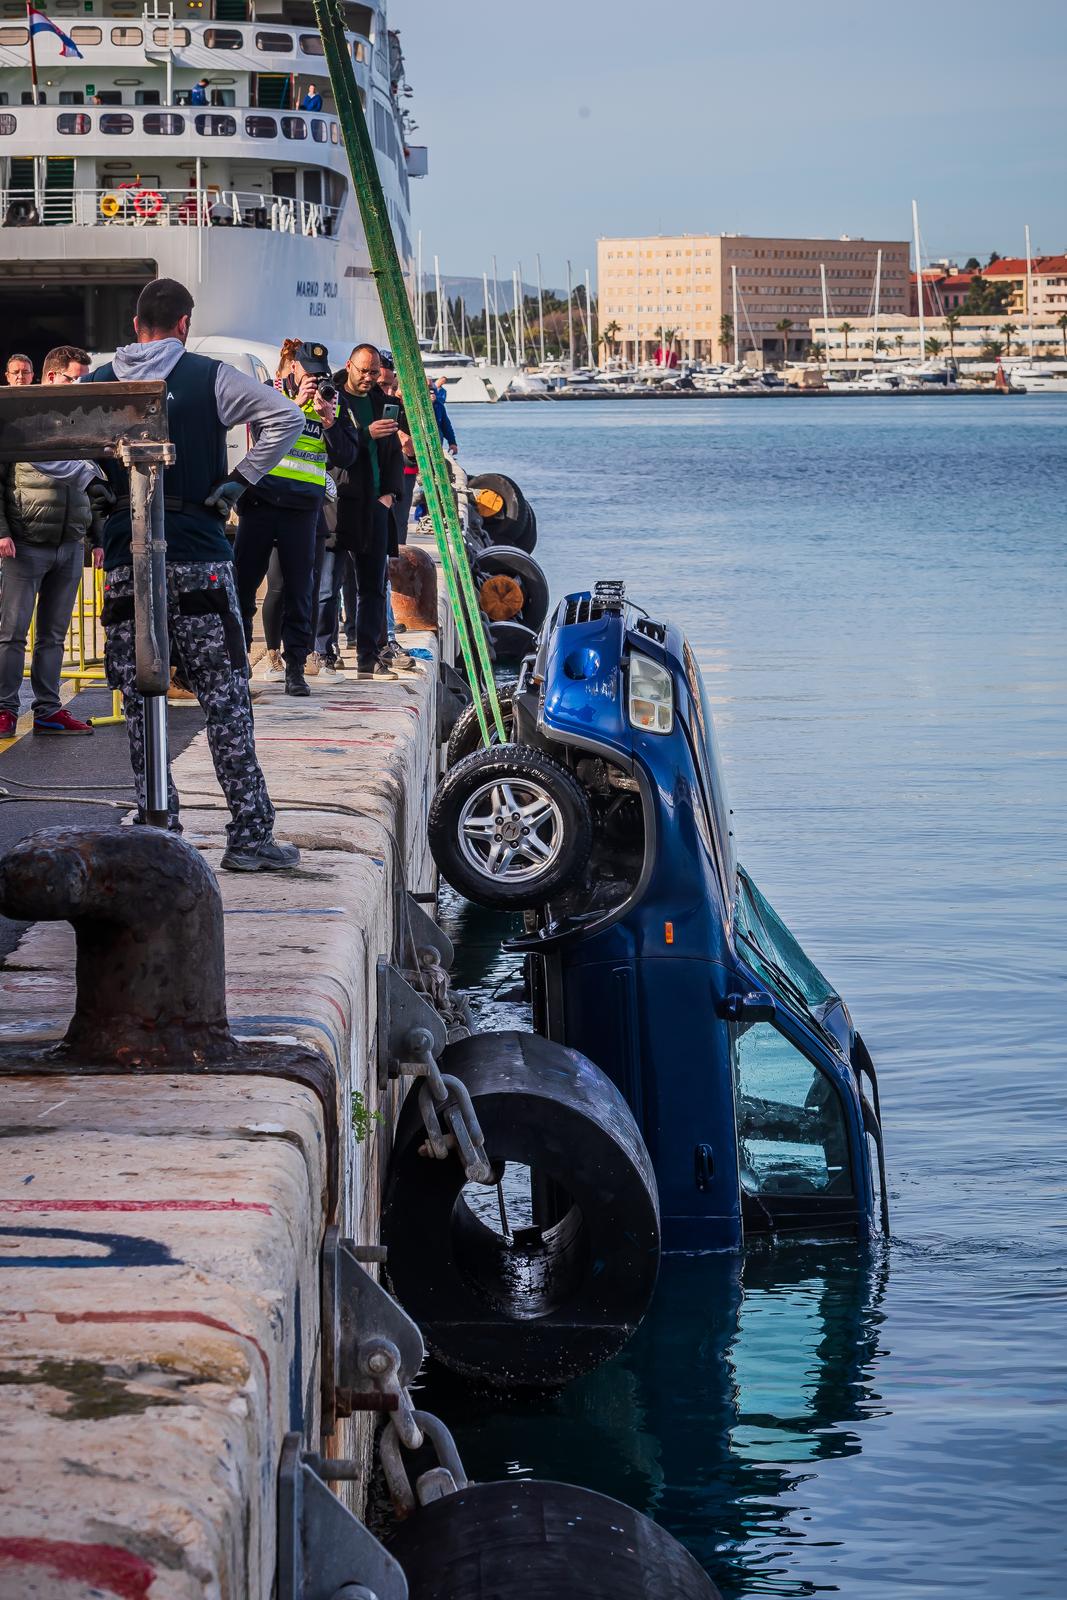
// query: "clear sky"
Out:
[551,122]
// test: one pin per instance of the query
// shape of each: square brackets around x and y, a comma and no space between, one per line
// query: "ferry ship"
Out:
[128,167]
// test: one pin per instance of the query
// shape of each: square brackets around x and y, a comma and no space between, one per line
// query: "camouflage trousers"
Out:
[207,648]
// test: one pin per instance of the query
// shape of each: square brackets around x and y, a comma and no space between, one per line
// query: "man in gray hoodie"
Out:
[204,399]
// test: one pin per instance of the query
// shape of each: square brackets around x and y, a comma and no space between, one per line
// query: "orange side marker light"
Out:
[668,932]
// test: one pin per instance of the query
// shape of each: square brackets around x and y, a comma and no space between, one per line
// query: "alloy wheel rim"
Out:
[510,830]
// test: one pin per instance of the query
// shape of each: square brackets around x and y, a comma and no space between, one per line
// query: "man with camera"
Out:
[282,510]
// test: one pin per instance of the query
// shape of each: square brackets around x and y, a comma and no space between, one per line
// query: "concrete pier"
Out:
[159,1236]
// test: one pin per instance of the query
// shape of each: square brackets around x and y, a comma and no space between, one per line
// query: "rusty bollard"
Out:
[147,917]
[413,576]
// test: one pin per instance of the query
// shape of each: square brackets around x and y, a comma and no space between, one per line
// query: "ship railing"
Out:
[136,206]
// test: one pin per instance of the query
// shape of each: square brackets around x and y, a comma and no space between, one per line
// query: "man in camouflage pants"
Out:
[204,399]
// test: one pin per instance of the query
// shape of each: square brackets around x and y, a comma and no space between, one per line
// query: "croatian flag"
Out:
[39,23]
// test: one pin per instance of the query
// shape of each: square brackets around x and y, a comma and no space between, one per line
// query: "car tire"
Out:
[466,736]
[537,851]
[504,560]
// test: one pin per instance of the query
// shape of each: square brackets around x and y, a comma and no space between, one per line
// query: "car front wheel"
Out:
[510,828]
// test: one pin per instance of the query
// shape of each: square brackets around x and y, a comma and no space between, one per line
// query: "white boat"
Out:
[1038,377]
[117,176]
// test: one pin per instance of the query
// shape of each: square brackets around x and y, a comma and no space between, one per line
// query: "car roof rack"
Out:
[610,594]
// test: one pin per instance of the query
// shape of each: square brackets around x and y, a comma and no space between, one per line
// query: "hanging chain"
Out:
[408,1430]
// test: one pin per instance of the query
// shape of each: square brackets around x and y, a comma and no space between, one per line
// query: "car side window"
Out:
[791,1133]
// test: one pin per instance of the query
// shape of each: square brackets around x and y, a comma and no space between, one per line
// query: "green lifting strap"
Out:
[418,407]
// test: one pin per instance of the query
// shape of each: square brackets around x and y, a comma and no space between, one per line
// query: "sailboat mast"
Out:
[825,313]
[496,309]
[877,305]
[737,330]
[1029,294]
[485,291]
[420,305]
[570,316]
[919,285]
[438,332]
[540,309]
[589,321]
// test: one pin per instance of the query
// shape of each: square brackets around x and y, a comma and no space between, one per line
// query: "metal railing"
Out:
[83,648]
[130,206]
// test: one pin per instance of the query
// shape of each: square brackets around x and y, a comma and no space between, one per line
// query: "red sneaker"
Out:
[60,722]
[8,723]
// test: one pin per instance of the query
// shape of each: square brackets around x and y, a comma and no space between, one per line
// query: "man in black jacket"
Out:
[365,495]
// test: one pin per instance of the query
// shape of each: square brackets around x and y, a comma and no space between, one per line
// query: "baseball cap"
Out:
[387,359]
[313,357]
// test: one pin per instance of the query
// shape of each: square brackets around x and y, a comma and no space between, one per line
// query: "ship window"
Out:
[261,127]
[164,122]
[311,44]
[146,97]
[177,38]
[217,127]
[358,51]
[277,44]
[86,35]
[116,122]
[318,130]
[71,97]
[223,38]
[127,36]
[8,123]
[72,122]
[27,97]
[294,128]
[13,36]
[335,137]
[791,1135]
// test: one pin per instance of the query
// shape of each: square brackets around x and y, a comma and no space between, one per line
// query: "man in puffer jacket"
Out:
[47,512]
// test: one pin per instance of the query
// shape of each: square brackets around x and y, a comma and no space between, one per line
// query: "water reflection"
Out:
[745,1374]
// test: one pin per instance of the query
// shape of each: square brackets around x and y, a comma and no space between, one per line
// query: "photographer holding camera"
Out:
[282,510]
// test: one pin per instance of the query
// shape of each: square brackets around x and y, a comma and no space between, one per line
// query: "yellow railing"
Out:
[83,650]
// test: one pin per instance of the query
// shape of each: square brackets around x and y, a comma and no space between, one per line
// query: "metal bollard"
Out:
[147,918]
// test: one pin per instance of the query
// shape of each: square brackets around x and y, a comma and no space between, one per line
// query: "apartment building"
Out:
[899,338]
[678,291]
[1048,280]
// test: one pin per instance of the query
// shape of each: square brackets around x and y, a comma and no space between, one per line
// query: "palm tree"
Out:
[952,322]
[726,335]
[609,335]
[1008,330]
[934,347]
[991,350]
[1061,323]
[783,328]
[899,342]
[816,352]
[846,329]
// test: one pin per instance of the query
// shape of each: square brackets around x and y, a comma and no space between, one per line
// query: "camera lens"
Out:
[328,392]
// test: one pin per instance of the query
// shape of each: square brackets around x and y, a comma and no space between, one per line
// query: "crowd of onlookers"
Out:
[315,508]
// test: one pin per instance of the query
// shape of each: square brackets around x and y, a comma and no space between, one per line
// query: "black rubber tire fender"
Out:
[466,736]
[563,1296]
[517,764]
[511,641]
[515,524]
[521,566]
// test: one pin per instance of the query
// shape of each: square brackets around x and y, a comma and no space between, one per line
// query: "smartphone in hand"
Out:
[390,413]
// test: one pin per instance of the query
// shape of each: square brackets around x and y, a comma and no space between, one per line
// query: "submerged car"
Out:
[604,819]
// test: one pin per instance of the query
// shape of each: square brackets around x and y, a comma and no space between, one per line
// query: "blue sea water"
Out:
[876,593]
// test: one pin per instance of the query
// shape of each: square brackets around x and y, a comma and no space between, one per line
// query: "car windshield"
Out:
[773,953]
[711,767]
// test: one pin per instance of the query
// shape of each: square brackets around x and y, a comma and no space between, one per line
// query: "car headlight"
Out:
[651,694]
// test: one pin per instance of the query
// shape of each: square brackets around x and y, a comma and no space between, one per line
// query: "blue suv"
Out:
[604,819]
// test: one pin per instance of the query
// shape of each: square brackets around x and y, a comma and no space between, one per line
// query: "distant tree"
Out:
[899,342]
[986,297]
[993,257]
[1008,331]
[878,345]
[726,333]
[846,328]
[783,328]
[991,350]
[1061,323]
[972,264]
[816,352]
[933,347]
[952,323]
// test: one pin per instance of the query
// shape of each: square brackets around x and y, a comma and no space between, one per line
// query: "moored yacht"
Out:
[189,144]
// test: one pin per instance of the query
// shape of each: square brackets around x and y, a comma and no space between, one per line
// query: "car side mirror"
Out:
[756,1006]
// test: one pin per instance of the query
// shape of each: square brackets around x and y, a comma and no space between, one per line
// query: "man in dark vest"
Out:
[204,399]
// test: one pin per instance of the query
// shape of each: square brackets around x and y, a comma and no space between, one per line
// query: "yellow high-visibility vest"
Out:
[305,461]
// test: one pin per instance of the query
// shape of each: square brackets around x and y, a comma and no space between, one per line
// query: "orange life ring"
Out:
[147,203]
